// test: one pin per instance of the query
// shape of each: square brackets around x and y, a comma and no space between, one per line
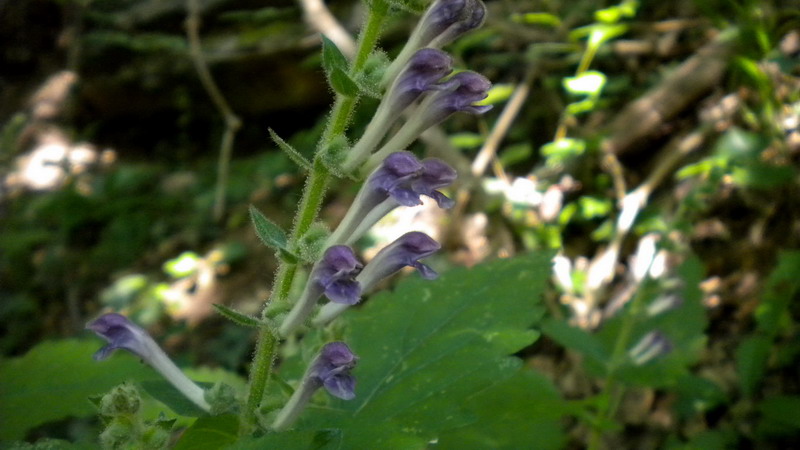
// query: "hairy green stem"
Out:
[313,195]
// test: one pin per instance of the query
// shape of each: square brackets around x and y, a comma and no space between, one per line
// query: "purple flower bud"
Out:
[446,20]
[407,250]
[457,94]
[423,71]
[332,370]
[400,180]
[335,275]
[122,333]
[649,347]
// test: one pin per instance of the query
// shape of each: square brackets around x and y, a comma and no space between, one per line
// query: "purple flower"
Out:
[400,180]
[470,87]
[404,178]
[423,71]
[653,345]
[332,370]
[441,24]
[122,333]
[459,94]
[407,250]
[421,74]
[335,275]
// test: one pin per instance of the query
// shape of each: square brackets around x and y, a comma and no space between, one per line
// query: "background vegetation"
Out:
[653,147]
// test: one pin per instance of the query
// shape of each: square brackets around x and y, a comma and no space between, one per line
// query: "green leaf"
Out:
[336,67]
[430,344]
[332,57]
[269,233]
[31,395]
[782,287]
[293,154]
[576,339]
[522,412]
[543,19]
[342,83]
[751,362]
[210,433]
[237,317]
[317,440]
[779,415]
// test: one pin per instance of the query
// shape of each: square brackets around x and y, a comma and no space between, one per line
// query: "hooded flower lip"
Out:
[121,333]
[406,250]
[336,274]
[332,370]
[442,15]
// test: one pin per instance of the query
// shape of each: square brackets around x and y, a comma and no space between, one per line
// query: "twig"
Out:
[319,17]
[232,121]
[489,149]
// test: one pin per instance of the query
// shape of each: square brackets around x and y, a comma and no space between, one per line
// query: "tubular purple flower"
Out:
[442,23]
[653,345]
[400,180]
[330,369]
[463,90]
[121,333]
[406,250]
[335,277]
[422,74]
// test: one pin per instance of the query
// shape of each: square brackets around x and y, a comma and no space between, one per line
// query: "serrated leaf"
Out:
[429,344]
[293,154]
[236,317]
[28,383]
[269,233]
[210,433]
